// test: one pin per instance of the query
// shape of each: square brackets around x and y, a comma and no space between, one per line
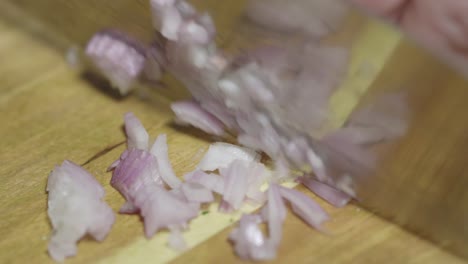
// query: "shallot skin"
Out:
[75,208]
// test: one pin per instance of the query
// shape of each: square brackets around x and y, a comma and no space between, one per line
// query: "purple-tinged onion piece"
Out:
[221,155]
[195,192]
[137,137]
[137,178]
[119,57]
[235,183]
[306,208]
[249,241]
[274,213]
[160,151]
[140,176]
[335,197]
[210,181]
[75,208]
[190,112]
[162,209]
[136,168]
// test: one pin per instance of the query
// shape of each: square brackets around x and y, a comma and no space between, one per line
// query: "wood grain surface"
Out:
[50,113]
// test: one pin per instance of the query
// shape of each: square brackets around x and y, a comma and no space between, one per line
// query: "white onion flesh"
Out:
[75,208]
[221,155]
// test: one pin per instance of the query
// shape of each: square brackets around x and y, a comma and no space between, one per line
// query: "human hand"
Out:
[440,25]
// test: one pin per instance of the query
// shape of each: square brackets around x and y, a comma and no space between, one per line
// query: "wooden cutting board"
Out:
[50,113]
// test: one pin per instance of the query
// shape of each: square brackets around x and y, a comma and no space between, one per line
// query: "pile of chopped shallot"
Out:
[144,176]
[273,98]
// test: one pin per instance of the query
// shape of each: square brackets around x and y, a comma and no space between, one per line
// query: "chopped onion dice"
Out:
[137,137]
[136,168]
[192,113]
[221,155]
[275,214]
[162,209]
[75,208]
[176,240]
[333,196]
[119,58]
[236,183]
[208,180]
[249,241]
[305,207]
[159,149]
[195,192]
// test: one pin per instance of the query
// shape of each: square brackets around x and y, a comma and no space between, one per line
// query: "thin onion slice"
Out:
[236,183]
[306,208]
[160,151]
[249,241]
[162,209]
[335,197]
[190,112]
[176,240]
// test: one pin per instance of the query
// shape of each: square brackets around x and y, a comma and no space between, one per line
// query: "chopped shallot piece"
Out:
[136,167]
[208,180]
[137,179]
[140,176]
[258,174]
[236,183]
[186,9]
[195,192]
[118,57]
[190,112]
[159,150]
[162,209]
[249,241]
[128,208]
[274,213]
[75,208]
[166,17]
[221,155]
[306,208]
[137,137]
[335,197]
[176,240]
